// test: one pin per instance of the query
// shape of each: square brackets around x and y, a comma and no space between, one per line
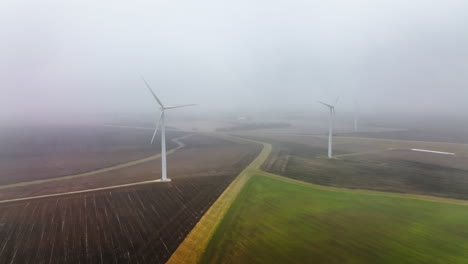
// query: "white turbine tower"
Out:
[161,122]
[330,130]
[356,115]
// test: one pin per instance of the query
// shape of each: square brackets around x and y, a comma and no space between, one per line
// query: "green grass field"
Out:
[369,164]
[279,221]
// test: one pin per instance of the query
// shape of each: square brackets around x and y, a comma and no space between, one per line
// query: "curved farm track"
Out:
[178,141]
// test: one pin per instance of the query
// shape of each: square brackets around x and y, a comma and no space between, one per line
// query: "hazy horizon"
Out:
[84,57]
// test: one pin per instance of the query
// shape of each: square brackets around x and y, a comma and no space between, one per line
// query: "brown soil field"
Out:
[33,153]
[317,125]
[344,145]
[443,128]
[198,125]
[138,224]
[453,135]
[142,224]
[370,164]
[201,156]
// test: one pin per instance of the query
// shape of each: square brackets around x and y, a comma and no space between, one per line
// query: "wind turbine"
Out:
[330,130]
[356,115]
[161,122]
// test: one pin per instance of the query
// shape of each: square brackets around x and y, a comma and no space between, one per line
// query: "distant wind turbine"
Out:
[330,130]
[356,116]
[161,122]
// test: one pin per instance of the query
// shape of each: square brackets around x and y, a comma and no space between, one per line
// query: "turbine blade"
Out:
[336,101]
[157,127]
[151,90]
[178,106]
[331,106]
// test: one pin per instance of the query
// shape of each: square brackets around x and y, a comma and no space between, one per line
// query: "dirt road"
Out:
[178,141]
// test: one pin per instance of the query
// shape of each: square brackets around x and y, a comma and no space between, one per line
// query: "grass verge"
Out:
[194,245]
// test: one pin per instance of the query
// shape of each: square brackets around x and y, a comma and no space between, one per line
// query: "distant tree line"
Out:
[253,126]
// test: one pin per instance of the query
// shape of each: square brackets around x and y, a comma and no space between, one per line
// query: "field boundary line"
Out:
[422,197]
[86,174]
[194,245]
[339,156]
[78,192]
[320,135]
[94,172]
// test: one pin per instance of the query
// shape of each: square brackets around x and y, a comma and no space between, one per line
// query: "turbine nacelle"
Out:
[161,123]
[162,107]
[177,106]
[331,107]
[330,131]
[327,105]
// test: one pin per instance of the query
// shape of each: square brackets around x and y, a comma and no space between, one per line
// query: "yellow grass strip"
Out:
[194,245]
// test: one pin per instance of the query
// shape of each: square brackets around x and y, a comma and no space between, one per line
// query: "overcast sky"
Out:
[83,55]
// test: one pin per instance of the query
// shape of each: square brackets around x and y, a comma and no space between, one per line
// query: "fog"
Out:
[84,56]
